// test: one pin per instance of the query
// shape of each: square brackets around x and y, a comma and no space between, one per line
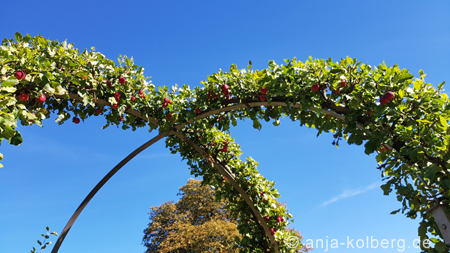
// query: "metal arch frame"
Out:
[100,185]
[222,169]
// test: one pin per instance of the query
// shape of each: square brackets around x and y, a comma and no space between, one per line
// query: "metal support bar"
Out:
[442,218]
[100,185]
[226,172]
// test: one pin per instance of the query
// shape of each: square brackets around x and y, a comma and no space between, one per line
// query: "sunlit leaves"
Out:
[409,133]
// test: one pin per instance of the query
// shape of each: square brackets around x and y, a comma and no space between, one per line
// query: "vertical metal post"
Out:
[442,218]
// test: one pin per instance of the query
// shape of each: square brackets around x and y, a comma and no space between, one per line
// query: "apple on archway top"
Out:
[41,99]
[316,87]
[24,97]
[225,89]
[263,90]
[20,75]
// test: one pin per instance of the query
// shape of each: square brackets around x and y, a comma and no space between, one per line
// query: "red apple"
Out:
[221,118]
[166,100]
[267,218]
[343,83]
[108,83]
[40,99]
[120,118]
[142,96]
[262,98]
[133,98]
[209,95]
[280,219]
[24,97]
[224,149]
[122,80]
[384,100]
[98,110]
[164,105]
[263,90]
[169,116]
[225,89]
[198,111]
[20,75]
[390,95]
[117,96]
[114,106]
[76,120]
[315,87]
[141,92]
[273,231]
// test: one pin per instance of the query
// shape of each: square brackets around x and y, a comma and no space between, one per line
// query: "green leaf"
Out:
[386,188]
[431,171]
[256,124]
[8,132]
[11,81]
[441,85]
[443,121]
[423,228]
[18,36]
[440,247]
[16,139]
[105,126]
[335,71]
[234,121]
[49,88]
[446,182]
[8,89]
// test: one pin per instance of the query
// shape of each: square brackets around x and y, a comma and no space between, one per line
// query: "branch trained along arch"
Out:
[401,118]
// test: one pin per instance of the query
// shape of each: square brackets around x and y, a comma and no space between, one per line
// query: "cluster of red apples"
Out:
[24,97]
[388,96]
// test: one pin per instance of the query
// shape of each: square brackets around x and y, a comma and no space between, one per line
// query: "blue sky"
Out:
[332,193]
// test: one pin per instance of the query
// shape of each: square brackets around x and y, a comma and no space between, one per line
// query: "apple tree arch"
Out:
[402,118]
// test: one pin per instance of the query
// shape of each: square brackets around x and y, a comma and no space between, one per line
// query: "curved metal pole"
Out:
[226,172]
[178,127]
[100,185]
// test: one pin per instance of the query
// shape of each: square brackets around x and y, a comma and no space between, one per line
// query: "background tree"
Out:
[196,223]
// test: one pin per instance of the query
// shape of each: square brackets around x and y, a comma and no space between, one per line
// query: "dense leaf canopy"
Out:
[402,118]
[196,223]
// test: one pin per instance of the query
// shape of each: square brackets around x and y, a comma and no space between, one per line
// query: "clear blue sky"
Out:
[332,193]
